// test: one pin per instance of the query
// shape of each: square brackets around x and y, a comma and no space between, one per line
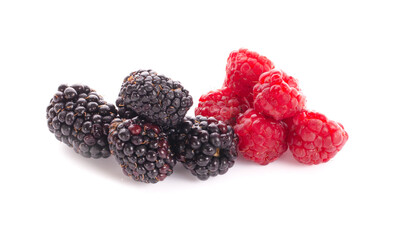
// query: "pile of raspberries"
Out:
[268,111]
[259,112]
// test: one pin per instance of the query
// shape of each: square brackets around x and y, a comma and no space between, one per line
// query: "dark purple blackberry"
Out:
[155,97]
[142,149]
[80,118]
[205,146]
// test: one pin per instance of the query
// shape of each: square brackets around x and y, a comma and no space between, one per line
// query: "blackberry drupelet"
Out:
[123,111]
[142,149]
[205,146]
[155,97]
[80,118]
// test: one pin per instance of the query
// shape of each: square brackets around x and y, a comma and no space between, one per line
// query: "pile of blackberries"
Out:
[147,131]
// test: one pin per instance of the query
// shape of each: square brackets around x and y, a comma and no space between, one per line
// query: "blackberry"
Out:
[80,118]
[142,149]
[155,97]
[205,146]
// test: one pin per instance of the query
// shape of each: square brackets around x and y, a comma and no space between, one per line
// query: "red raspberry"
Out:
[314,139]
[277,95]
[261,139]
[243,70]
[222,105]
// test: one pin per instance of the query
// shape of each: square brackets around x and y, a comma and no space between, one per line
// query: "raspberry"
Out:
[243,70]
[315,139]
[222,105]
[277,95]
[262,140]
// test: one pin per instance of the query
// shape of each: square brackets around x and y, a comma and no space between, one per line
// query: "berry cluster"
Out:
[267,109]
[259,111]
[148,132]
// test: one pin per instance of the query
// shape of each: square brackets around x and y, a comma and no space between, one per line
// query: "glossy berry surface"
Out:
[78,116]
[243,70]
[277,95]
[262,139]
[123,111]
[222,105]
[155,97]
[315,139]
[142,149]
[205,146]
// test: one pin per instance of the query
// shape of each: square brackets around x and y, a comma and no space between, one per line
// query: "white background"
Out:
[344,53]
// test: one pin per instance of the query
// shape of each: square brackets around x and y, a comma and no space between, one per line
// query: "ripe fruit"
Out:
[277,95]
[207,147]
[155,97]
[314,138]
[259,111]
[262,139]
[142,149]
[222,105]
[80,118]
[243,70]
